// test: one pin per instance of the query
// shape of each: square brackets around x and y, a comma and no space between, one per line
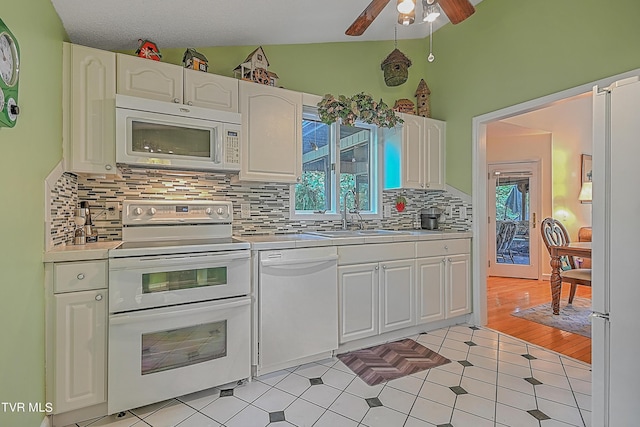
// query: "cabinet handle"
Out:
[384,267]
[377,267]
[444,260]
[99,297]
[298,179]
[80,276]
[428,185]
[176,100]
[189,103]
[107,167]
[450,260]
[446,247]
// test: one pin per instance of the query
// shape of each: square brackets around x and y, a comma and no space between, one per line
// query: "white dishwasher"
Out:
[297,306]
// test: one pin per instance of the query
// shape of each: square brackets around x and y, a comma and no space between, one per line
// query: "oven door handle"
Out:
[145,262]
[176,311]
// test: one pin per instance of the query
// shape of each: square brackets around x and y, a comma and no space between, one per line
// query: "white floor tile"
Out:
[249,392]
[331,419]
[510,416]
[170,415]
[461,418]
[586,416]
[554,423]
[481,374]
[515,370]
[430,341]
[453,354]
[430,411]
[444,378]
[486,333]
[200,399]
[329,362]
[249,416]
[584,401]
[479,388]
[145,411]
[512,346]
[311,370]
[322,395]
[438,393]
[522,401]
[454,344]
[397,400]
[199,420]
[483,362]
[337,378]
[342,367]
[114,421]
[543,354]
[458,335]
[566,414]
[274,400]
[514,358]
[381,416]
[579,386]
[223,409]
[362,389]
[555,394]
[350,406]
[552,379]
[479,406]
[515,383]
[489,353]
[579,373]
[407,384]
[547,366]
[488,343]
[294,384]
[302,413]
[273,378]
[415,422]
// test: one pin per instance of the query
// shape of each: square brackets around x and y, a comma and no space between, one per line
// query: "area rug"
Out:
[573,318]
[391,360]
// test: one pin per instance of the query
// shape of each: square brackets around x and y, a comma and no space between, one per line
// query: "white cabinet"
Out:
[443,285]
[414,154]
[76,341]
[89,92]
[150,79]
[375,297]
[271,143]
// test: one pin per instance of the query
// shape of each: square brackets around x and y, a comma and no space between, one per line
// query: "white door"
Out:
[458,287]
[514,206]
[430,273]
[397,303]
[150,79]
[358,302]
[413,151]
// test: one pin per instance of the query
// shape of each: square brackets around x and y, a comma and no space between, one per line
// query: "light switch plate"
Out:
[245,210]
[113,210]
[463,212]
[387,211]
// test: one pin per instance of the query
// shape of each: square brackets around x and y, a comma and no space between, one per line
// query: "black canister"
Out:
[429,218]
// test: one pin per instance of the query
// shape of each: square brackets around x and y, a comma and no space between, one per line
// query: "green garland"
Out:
[359,107]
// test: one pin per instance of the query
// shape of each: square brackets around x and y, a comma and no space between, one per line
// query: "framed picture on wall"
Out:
[586,168]
[585,179]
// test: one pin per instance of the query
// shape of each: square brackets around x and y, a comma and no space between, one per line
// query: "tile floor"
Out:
[492,380]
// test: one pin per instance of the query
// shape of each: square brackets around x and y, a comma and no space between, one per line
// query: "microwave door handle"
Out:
[217,154]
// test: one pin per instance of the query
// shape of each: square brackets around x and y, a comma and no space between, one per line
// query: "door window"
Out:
[183,279]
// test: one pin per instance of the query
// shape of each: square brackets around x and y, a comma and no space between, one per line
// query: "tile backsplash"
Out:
[269,202]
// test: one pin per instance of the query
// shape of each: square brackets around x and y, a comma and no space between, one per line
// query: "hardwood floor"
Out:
[504,295]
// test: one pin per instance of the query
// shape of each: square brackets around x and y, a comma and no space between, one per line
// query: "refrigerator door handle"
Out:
[604,316]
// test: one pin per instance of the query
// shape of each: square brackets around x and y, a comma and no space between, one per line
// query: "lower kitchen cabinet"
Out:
[375,298]
[458,285]
[430,288]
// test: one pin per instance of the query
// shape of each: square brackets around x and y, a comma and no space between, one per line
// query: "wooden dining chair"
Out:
[554,234]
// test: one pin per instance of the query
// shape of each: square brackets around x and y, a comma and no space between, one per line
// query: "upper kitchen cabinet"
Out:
[145,78]
[271,141]
[414,154]
[89,93]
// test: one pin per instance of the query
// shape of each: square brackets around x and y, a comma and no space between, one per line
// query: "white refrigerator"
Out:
[616,255]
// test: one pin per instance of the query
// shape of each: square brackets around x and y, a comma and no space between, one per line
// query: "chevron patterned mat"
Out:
[391,360]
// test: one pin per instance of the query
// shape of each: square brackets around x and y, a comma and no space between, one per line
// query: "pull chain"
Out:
[395,36]
[430,58]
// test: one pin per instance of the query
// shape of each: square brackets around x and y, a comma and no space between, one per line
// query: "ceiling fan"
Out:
[456,10]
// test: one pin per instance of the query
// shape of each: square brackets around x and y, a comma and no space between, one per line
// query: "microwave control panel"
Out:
[232,148]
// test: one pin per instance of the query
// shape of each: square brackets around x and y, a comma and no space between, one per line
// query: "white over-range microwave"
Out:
[166,135]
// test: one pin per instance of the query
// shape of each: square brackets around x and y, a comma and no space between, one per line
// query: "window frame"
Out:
[375,161]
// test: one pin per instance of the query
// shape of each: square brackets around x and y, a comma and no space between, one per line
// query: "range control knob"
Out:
[208,211]
[220,211]
[137,211]
[152,211]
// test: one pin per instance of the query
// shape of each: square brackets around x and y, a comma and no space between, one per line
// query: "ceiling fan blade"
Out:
[457,10]
[367,16]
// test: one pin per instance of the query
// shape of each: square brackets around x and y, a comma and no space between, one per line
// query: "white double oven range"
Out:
[179,303]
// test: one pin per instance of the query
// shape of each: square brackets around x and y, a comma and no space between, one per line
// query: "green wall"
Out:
[29,151]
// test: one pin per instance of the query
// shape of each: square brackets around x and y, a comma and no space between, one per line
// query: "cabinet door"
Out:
[146,78]
[434,158]
[430,289]
[80,349]
[271,133]
[89,109]
[413,152]
[397,303]
[210,91]
[358,303]
[458,285]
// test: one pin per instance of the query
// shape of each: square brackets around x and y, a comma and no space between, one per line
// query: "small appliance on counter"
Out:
[91,234]
[429,218]
[79,234]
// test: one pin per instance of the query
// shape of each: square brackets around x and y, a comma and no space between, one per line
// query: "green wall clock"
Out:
[9,77]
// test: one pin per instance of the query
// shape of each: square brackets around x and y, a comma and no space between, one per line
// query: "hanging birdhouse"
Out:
[396,68]
[148,49]
[254,68]
[403,105]
[194,60]
[422,98]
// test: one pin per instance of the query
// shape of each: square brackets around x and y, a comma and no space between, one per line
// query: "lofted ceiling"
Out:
[118,24]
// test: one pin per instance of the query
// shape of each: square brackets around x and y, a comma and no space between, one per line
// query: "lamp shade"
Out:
[585,191]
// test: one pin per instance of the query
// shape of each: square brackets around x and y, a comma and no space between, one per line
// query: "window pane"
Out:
[355,166]
[313,193]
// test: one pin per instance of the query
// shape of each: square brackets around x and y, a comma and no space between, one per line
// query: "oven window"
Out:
[183,279]
[175,348]
[166,140]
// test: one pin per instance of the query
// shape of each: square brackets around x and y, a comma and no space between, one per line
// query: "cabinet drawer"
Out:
[376,252]
[442,247]
[79,276]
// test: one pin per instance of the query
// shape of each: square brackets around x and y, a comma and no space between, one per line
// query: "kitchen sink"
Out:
[357,233]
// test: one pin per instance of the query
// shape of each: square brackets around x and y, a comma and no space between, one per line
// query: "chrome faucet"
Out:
[345,221]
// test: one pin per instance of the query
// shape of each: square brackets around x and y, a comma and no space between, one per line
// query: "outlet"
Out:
[245,210]
[448,212]
[387,211]
[463,212]
[113,210]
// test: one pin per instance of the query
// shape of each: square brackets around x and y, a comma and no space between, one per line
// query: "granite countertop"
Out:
[305,240]
[98,250]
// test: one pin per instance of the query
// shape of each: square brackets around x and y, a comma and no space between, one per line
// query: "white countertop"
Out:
[98,250]
[305,240]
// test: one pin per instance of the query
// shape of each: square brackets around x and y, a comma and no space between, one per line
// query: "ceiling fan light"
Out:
[431,13]
[406,6]
[407,19]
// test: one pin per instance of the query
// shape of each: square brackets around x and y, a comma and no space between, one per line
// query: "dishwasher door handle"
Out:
[296,262]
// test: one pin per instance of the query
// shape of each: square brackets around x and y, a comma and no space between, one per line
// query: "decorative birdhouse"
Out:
[194,60]
[254,68]
[396,68]
[422,98]
[148,49]
[404,105]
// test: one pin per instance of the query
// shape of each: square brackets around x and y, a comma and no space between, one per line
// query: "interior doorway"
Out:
[514,206]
